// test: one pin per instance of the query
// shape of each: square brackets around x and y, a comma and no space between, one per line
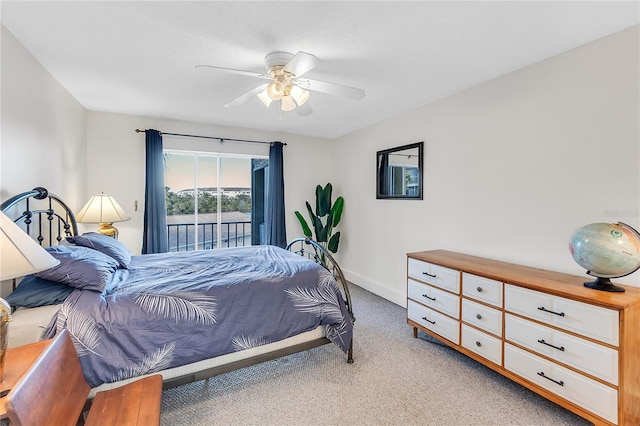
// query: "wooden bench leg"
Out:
[136,403]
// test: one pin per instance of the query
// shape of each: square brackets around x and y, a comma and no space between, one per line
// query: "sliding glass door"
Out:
[210,200]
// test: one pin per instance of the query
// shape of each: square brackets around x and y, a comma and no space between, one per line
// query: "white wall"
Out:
[513,168]
[116,162]
[43,129]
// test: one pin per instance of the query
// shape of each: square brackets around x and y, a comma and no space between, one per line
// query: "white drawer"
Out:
[597,360]
[434,321]
[438,276]
[434,298]
[483,289]
[482,316]
[587,393]
[589,320]
[592,358]
[481,343]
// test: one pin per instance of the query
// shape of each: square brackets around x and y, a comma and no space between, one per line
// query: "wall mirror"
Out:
[399,172]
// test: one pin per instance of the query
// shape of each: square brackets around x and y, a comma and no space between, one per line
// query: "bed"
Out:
[186,315]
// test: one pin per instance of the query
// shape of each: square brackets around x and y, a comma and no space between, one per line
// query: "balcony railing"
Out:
[233,234]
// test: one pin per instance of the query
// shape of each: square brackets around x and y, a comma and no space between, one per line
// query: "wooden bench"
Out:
[54,392]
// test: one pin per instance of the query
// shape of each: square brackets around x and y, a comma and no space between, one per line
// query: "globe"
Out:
[606,250]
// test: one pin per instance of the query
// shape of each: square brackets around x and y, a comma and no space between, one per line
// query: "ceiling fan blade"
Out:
[304,110]
[243,98]
[232,71]
[301,63]
[330,88]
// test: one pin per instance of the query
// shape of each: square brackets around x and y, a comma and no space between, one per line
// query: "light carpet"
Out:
[395,380]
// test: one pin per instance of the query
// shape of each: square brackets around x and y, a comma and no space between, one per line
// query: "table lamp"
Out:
[19,256]
[105,210]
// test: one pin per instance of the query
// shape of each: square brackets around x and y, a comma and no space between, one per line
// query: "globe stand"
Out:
[604,284]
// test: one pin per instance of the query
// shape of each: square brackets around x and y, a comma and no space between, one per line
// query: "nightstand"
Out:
[17,361]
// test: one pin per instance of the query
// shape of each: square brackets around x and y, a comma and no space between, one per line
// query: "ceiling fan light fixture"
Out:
[299,95]
[284,72]
[287,103]
[275,90]
[264,97]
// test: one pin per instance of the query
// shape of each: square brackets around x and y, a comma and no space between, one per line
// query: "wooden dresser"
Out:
[577,347]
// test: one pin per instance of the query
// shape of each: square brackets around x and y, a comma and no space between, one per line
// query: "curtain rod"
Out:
[212,137]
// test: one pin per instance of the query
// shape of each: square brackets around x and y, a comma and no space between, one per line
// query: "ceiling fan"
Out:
[285,71]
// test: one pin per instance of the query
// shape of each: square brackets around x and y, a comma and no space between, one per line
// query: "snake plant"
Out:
[324,219]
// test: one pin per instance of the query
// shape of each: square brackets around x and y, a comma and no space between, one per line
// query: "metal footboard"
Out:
[310,249]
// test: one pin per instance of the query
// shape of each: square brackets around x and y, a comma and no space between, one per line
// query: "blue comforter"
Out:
[173,309]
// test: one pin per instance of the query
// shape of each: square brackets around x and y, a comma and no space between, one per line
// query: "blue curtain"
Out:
[275,223]
[154,234]
[383,175]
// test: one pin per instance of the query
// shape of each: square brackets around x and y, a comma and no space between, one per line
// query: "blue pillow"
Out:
[33,292]
[107,245]
[80,267]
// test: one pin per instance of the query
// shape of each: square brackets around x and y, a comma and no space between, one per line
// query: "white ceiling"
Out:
[139,57]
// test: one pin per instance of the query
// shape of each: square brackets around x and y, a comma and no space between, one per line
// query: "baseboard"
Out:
[397,297]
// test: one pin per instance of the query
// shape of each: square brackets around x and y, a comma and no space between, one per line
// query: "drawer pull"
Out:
[479,316]
[479,289]
[542,308]
[431,275]
[541,374]
[427,320]
[560,348]
[478,344]
[430,298]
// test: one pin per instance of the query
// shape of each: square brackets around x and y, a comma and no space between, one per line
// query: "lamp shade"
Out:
[275,90]
[19,254]
[299,95]
[102,209]
[264,97]
[287,103]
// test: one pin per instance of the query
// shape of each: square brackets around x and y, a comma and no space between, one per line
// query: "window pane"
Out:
[235,183]
[207,186]
[206,207]
[180,198]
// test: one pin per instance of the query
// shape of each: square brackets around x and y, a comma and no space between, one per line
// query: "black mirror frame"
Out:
[386,152]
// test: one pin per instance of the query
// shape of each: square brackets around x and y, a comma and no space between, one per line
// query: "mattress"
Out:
[28,325]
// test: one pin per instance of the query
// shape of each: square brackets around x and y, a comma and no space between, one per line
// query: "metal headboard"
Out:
[42,215]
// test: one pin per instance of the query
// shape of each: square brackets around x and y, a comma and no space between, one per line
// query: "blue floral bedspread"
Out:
[173,309]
